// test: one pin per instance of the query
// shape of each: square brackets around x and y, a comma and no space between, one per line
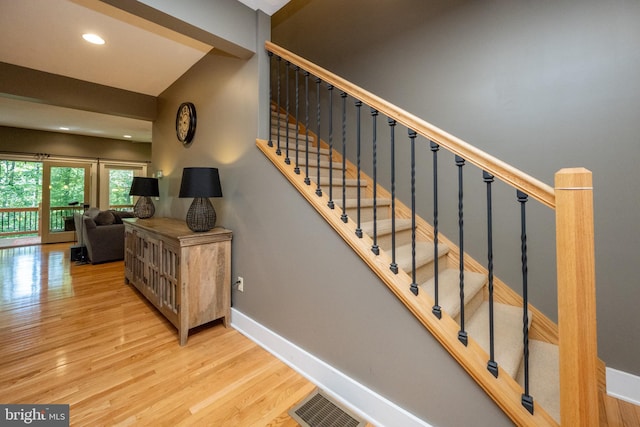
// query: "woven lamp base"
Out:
[144,207]
[201,216]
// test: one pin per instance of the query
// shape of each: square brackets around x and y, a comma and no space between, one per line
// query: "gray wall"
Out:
[301,280]
[541,85]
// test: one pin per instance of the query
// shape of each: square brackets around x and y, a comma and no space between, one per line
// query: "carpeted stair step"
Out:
[350,185]
[424,259]
[508,333]
[302,150]
[335,170]
[302,138]
[366,207]
[282,122]
[383,232]
[544,376]
[283,125]
[449,291]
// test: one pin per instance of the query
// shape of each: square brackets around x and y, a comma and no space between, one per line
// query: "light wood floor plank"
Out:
[77,334]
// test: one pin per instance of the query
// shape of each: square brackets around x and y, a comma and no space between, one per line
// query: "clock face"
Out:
[186,122]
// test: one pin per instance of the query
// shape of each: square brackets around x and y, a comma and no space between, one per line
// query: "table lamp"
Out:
[200,183]
[145,188]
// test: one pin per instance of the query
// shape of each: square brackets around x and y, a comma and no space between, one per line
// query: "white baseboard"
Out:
[623,386]
[355,396]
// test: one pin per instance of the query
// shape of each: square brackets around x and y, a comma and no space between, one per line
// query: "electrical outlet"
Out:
[240,283]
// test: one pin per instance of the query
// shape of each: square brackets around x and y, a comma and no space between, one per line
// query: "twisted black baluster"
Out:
[278,151]
[394,265]
[358,107]
[492,365]
[436,310]
[344,216]
[330,203]
[374,247]
[414,285]
[318,189]
[527,399]
[270,143]
[297,168]
[462,334]
[306,128]
[287,160]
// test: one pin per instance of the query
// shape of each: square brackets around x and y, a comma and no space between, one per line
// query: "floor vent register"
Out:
[319,410]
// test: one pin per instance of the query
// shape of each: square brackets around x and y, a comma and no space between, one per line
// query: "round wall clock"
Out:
[186,122]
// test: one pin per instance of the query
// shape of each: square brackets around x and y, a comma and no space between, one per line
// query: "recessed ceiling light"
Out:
[63,128]
[127,136]
[93,38]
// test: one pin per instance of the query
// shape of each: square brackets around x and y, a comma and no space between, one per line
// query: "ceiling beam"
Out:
[52,89]
[226,25]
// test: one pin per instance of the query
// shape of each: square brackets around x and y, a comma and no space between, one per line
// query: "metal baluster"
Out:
[344,216]
[270,143]
[297,168]
[414,285]
[436,310]
[287,160]
[492,365]
[394,265]
[306,128]
[318,189]
[330,203]
[374,247]
[462,334]
[278,151]
[527,400]
[358,107]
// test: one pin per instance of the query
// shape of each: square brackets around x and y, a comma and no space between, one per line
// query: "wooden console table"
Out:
[186,275]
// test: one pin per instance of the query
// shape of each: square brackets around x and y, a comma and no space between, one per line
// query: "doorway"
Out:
[66,188]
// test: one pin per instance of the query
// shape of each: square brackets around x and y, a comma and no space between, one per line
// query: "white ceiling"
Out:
[138,56]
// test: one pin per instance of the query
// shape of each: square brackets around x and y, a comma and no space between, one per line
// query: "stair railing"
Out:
[571,199]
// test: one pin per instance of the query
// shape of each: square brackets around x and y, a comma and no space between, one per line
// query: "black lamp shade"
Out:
[142,186]
[145,188]
[200,182]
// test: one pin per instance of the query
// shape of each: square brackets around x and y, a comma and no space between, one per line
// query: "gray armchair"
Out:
[102,234]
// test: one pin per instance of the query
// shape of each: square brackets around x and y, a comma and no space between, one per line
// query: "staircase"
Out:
[312,167]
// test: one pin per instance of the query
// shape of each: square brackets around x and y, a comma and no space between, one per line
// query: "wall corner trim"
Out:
[358,398]
[623,386]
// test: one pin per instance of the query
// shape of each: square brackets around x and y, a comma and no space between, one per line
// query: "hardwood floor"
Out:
[76,334]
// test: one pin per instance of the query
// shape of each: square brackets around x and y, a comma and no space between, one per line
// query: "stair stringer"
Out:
[504,390]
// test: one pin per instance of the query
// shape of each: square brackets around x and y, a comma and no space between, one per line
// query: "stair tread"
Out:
[508,334]
[544,376]
[302,138]
[364,203]
[302,148]
[384,226]
[449,288]
[424,254]
[324,164]
[283,125]
[349,182]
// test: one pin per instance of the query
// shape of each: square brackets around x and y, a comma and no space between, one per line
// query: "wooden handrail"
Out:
[533,187]
[32,209]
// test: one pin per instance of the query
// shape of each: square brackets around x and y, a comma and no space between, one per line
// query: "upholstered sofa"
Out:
[102,233]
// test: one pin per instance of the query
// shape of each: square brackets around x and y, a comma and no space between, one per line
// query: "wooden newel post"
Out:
[576,298]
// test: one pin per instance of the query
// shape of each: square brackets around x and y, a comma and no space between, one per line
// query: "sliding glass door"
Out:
[65,189]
